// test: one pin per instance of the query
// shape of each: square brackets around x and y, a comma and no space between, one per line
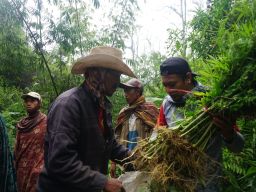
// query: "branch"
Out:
[37,46]
[176,11]
[119,23]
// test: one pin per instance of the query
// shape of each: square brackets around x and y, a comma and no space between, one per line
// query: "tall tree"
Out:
[177,40]
[17,59]
[121,26]
[205,28]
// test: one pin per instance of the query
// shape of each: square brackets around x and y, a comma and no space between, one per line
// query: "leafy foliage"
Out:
[71,33]
[225,35]
[205,29]
[17,60]
[241,169]
[60,40]
[10,107]
[121,27]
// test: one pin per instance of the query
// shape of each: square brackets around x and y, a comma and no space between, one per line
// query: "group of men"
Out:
[78,138]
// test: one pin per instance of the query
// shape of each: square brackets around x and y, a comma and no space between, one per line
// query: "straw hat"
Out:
[105,57]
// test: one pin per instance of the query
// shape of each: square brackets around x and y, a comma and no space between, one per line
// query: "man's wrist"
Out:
[229,138]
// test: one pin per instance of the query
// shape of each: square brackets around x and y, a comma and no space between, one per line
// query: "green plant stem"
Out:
[203,138]
[195,127]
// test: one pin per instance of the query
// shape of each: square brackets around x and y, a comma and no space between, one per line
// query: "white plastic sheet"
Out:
[135,181]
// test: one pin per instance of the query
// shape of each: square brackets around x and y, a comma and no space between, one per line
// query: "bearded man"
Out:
[80,139]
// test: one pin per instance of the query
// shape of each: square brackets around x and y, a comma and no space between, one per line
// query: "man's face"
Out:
[131,95]
[174,84]
[31,104]
[112,82]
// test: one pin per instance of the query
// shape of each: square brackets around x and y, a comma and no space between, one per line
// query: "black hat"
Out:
[175,65]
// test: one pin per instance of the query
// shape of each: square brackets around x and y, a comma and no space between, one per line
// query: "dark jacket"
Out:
[76,151]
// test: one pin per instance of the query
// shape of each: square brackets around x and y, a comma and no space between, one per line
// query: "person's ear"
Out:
[138,92]
[189,78]
[39,103]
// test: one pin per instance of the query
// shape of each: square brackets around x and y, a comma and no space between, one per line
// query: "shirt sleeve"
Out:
[161,121]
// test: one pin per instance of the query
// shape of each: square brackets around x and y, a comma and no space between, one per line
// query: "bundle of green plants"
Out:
[172,160]
[232,96]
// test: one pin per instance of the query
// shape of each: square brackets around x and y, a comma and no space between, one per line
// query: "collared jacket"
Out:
[76,150]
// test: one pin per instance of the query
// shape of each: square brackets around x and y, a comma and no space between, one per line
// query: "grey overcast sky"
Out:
[154,18]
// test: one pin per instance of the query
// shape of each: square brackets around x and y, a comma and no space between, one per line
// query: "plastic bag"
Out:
[135,181]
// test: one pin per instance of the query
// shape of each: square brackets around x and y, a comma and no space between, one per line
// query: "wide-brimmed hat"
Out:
[105,57]
[32,94]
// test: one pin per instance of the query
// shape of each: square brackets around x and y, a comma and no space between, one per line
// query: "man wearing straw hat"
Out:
[80,140]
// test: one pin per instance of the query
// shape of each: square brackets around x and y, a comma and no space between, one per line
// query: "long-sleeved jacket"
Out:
[76,150]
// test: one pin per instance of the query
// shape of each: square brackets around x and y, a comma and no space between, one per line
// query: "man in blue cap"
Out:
[178,81]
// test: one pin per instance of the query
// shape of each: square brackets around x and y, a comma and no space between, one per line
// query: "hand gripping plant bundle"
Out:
[176,157]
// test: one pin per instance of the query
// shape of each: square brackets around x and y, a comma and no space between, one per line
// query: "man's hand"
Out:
[113,185]
[113,170]
[226,127]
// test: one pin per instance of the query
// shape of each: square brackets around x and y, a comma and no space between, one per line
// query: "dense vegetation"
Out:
[37,49]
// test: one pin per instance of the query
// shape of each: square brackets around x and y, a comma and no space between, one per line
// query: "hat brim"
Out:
[124,86]
[101,60]
[26,96]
